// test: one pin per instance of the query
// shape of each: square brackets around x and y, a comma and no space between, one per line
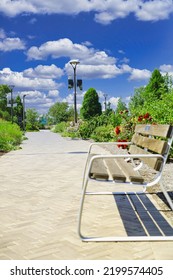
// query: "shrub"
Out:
[60,127]
[10,136]
[103,134]
[85,129]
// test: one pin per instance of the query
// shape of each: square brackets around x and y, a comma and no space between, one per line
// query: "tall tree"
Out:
[18,111]
[121,106]
[156,86]
[4,111]
[91,105]
[137,100]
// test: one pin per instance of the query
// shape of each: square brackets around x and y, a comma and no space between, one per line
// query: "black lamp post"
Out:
[105,96]
[74,64]
[11,87]
[24,111]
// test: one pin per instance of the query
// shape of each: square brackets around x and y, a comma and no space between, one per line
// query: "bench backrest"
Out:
[152,139]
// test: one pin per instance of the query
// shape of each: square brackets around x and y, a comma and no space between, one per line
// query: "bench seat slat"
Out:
[116,173]
[98,170]
[129,172]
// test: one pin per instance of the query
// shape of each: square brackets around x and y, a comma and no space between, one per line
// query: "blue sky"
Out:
[118,43]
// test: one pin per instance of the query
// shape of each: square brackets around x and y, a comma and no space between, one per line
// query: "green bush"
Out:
[60,127]
[10,136]
[103,134]
[85,129]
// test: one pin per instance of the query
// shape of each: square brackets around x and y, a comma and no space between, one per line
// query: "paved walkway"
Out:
[40,189]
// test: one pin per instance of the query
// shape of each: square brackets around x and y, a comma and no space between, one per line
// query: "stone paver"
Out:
[40,190]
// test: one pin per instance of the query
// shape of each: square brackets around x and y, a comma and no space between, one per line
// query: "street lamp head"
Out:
[74,62]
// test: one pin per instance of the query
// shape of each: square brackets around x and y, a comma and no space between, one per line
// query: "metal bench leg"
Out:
[85,183]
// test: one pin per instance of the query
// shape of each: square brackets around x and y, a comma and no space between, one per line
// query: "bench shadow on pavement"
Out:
[140,217]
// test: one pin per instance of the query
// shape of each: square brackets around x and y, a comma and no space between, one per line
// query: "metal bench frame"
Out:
[145,185]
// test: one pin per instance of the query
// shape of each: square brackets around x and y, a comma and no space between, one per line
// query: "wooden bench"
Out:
[150,146]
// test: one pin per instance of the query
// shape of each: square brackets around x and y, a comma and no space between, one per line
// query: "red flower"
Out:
[117,130]
[140,118]
[123,146]
[146,116]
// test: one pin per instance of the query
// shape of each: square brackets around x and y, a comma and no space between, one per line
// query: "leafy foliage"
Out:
[155,99]
[91,106]
[156,87]
[103,133]
[60,127]
[32,120]
[4,111]
[18,111]
[10,136]
[60,112]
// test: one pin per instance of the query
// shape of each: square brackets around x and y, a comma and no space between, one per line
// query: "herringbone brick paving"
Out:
[40,190]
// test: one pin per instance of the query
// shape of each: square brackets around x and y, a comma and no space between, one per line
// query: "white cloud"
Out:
[38,100]
[53,93]
[66,48]
[2,33]
[7,76]
[41,90]
[155,10]
[104,18]
[87,43]
[16,7]
[10,44]
[93,63]
[166,68]
[137,74]
[44,71]
[114,101]
[105,11]
[96,71]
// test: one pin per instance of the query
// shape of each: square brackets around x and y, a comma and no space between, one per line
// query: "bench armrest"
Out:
[157,176]
[107,143]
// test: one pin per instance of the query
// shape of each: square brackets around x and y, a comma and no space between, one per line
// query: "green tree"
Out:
[137,100]
[18,111]
[156,86]
[32,119]
[60,112]
[119,112]
[121,106]
[91,105]
[4,111]
[156,100]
